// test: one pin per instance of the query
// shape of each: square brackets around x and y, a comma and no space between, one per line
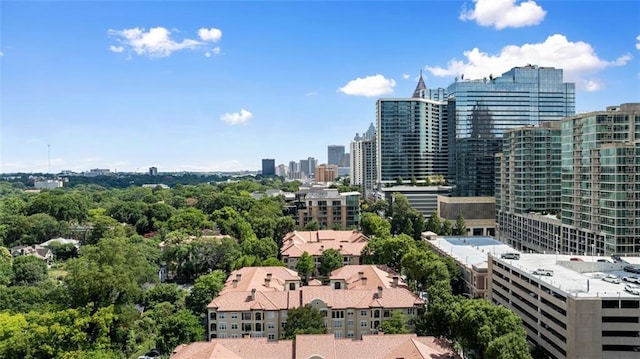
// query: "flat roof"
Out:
[471,251]
[581,277]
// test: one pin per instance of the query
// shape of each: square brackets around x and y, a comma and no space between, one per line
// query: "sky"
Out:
[219,85]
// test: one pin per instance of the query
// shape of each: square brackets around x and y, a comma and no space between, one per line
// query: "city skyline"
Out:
[218,86]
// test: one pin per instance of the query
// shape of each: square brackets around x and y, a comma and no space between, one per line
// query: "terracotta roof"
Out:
[266,279]
[367,276]
[295,250]
[246,348]
[406,346]
[335,298]
[324,235]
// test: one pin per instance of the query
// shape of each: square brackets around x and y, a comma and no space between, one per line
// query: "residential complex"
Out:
[326,346]
[256,304]
[586,193]
[326,173]
[328,207]
[349,243]
[480,111]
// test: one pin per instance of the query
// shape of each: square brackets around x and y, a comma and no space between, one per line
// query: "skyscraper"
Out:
[268,167]
[481,110]
[411,138]
[362,170]
[335,153]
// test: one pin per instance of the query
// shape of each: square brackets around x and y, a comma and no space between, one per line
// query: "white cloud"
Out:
[638,43]
[212,34]
[578,60]
[312,93]
[1,53]
[236,118]
[212,52]
[592,85]
[117,49]
[504,13]
[369,86]
[156,42]
[406,76]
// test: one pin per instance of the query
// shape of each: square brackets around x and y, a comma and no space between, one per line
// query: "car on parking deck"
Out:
[632,279]
[632,288]
[611,279]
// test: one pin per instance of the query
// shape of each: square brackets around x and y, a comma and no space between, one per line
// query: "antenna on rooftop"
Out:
[48,158]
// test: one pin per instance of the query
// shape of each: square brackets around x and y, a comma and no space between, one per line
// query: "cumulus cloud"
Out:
[504,13]
[212,34]
[638,43]
[578,60]
[158,41]
[1,53]
[212,52]
[236,118]
[369,86]
[117,49]
[406,76]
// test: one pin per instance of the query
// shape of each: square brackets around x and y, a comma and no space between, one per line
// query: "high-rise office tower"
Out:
[481,110]
[335,153]
[153,171]
[411,138]
[268,167]
[362,170]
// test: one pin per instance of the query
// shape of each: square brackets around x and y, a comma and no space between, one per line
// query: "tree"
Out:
[303,320]
[305,266]
[180,328]
[313,225]
[374,225]
[29,270]
[396,324]
[205,288]
[447,228]
[461,227]
[330,260]
[434,225]
[261,248]
[6,269]
[387,251]
[164,292]
[512,345]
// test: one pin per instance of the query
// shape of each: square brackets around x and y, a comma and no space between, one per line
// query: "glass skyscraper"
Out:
[480,111]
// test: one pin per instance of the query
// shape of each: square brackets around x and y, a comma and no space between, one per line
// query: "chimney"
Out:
[269,275]
[395,281]
[379,292]
[267,282]
[341,247]
[322,247]
[235,283]
[364,281]
[253,294]
[238,275]
[360,275]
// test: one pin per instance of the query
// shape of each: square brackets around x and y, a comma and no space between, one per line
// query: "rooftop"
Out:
[315,242]
[470,251]
[367,276]
[266,279]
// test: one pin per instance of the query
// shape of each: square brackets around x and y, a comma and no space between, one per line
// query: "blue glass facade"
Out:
[411,141]
[480,111]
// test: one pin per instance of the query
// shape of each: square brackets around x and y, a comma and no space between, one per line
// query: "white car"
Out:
[611,279]
[632,279]
[545,272]
[632,288]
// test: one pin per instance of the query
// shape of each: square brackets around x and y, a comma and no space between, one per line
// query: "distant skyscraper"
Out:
[268,167]
[363,160]
[481,110]
[411,138]
[294,167]
[153,171]
[335,154]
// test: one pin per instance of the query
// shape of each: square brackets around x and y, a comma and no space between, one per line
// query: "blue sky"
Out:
[215,86]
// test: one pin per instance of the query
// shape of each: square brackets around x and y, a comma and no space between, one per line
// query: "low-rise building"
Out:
[35,250]
[326,346]
[264,279]
[48,184]
[479,213]
[328,207]
[349,243]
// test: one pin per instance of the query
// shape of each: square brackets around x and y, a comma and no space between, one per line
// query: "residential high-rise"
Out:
[363,160]
[598,175]
[325,173]
[153,171]
[480,111]
[411,138]
[268,167]
[308,166]
[335,154]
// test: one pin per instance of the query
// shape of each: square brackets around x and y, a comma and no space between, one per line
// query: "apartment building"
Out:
[349,243]
[255,303]
[365,276]
[328,207]
[572,306]
[326,346]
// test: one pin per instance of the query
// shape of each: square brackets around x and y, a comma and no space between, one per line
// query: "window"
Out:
[271,315]
[337,323]
[234,315]
[234,326]
[363,313]
[212,316]
[283,324]
[234,335]
[350,334]
[246,316]
[246,327]
[350,323]
[411,311]
[338,334]
[350,312]
[222,326]
[271,337]
[222,335]
[258,316]
[363,323]
[222,315]
[337,314]
[271,325]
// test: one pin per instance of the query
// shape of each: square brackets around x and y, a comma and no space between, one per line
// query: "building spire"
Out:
[420,87]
